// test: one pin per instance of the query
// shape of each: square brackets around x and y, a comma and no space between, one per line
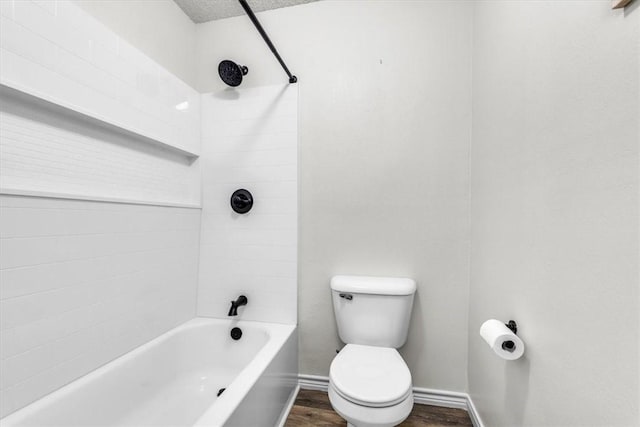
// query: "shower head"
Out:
[231,73]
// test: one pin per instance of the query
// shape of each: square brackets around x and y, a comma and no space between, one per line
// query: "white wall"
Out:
[159,28]
[250,141]
[384,131]
[83,282]
[554,186]
[57,52]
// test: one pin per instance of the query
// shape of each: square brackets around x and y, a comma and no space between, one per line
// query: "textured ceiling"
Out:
[207,10]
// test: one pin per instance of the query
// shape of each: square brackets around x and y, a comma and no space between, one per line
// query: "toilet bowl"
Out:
[370,386]
[369,382]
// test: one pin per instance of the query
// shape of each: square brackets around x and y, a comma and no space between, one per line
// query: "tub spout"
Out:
[242,300]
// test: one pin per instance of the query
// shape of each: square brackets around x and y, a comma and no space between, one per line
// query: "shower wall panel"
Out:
[83,282]
[84,279]
[56,51]
[250,142]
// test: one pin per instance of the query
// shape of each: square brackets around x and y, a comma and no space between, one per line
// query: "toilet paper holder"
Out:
[513,326]
[510,346]
[502,338]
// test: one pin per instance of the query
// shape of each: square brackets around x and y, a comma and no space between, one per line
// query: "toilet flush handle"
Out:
[348,297]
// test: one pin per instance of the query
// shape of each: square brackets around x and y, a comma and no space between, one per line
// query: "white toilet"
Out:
[369,382]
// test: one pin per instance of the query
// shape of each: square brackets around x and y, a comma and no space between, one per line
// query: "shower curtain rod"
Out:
[252,16]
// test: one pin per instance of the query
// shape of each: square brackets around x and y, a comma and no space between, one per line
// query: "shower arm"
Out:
[252,16]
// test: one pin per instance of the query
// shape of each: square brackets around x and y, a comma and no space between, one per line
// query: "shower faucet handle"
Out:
[241,201]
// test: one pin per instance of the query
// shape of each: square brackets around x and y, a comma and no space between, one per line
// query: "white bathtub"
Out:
[174,379]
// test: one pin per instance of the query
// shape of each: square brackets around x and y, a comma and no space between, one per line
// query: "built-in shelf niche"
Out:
[47,150]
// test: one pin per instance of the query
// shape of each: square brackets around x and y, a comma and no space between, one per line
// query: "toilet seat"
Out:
[370,376]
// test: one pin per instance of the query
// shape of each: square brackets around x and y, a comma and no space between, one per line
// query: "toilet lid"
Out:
[370,376]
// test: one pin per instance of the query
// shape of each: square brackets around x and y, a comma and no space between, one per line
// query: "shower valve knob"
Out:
[241,201]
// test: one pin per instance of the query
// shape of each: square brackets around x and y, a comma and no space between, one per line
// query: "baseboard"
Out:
[313,382]
[473,413]
[424,396]
[443,398]
[287,408]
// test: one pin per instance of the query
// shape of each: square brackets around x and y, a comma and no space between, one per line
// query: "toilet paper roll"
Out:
[502,340]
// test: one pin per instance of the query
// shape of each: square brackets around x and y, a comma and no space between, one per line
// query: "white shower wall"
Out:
[100,228]
[250,142]
[84,281]
[56,51]
[61,56]
[44,151]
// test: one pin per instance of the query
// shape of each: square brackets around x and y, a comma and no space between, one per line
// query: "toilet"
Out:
[369,382]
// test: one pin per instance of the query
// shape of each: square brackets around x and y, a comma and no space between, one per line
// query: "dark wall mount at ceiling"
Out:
[252,16]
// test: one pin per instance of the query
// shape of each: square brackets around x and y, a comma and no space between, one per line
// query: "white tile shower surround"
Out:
[250,141]
[37,153]
[83,282]
[43,150]
[57,51]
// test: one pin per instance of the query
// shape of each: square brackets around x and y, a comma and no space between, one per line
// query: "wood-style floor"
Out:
[312,408]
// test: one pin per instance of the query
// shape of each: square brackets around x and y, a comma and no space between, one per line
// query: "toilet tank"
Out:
[373,310]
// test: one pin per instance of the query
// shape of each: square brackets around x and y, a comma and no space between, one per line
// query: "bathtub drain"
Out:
[221,391]
[236,333]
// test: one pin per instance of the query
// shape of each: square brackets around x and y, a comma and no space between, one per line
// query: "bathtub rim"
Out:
[236,391]
[277,333]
